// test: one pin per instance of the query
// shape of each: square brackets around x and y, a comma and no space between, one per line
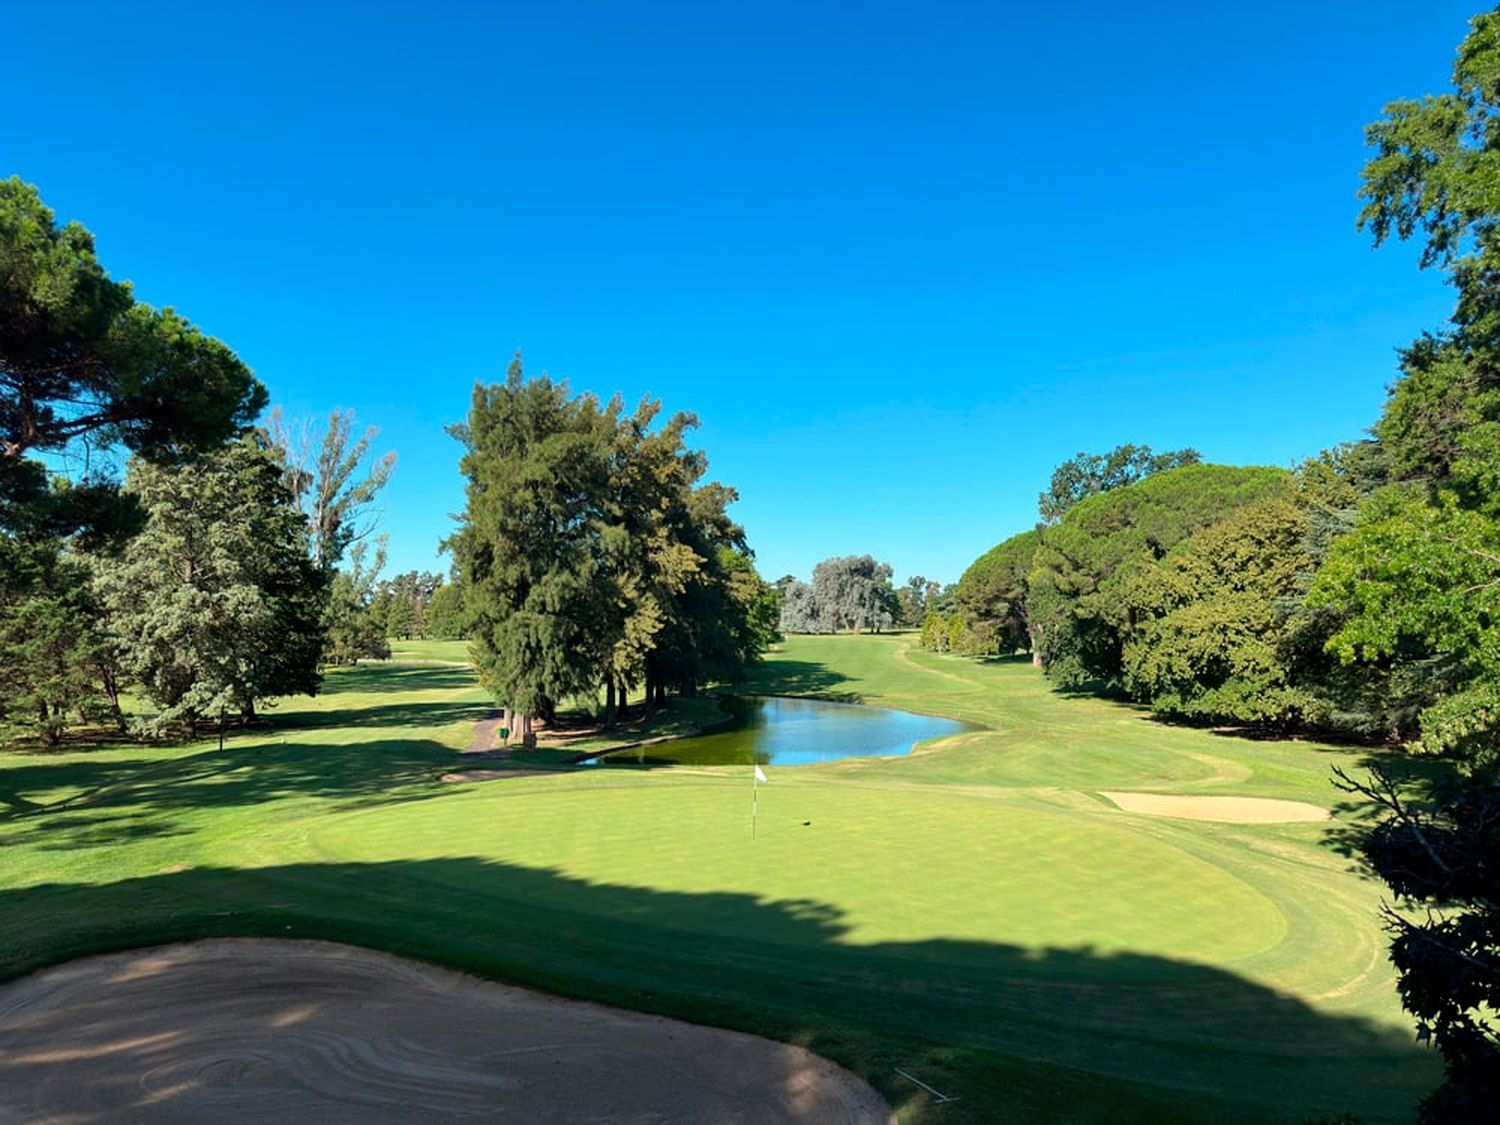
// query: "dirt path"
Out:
[486,731]
[241,1030]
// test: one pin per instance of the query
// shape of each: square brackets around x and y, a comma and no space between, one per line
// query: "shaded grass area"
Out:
[907,1004]
[973,914]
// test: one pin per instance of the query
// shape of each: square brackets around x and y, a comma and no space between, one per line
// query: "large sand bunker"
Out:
[299,1031]
[1231,810]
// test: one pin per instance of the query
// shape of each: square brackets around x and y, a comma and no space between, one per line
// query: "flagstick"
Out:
[754,799]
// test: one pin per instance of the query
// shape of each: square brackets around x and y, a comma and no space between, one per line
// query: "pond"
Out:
[773,730]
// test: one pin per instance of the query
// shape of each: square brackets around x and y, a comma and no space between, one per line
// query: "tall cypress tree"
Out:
[529,548]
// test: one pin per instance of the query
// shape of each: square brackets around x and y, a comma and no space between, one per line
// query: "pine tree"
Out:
[216,604]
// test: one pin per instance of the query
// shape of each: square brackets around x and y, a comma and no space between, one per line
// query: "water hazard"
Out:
[792,732]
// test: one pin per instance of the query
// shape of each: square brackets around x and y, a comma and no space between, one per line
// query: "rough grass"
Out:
[975,914]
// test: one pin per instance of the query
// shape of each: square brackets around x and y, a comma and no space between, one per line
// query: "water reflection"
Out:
[792,732]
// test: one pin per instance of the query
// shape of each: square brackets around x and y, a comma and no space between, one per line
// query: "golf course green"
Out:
[978,913]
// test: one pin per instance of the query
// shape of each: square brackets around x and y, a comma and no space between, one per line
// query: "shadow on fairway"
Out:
[796,677]
[1019,1033]
[386,678]
[131,799]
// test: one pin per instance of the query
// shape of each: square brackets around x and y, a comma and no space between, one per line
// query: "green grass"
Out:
[975,913]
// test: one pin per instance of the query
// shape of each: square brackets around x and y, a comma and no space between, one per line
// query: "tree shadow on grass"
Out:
[1018,1033]
[378,678]
[796,677]
[132,799]
[380,715]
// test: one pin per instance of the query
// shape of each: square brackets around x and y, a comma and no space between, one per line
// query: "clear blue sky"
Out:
[901,259]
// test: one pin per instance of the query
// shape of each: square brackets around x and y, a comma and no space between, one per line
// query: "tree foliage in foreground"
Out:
[1440,856]
[1416,581]
[82,360]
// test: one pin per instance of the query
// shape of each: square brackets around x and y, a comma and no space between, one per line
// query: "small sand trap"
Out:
[1231,810]
[299,1031]
[485,775]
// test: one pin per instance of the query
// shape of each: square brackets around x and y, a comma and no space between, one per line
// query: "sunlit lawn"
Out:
[975,914]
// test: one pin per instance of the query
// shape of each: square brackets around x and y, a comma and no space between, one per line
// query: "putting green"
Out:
[895,866]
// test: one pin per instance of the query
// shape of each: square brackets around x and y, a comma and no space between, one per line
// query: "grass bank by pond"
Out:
[976,914]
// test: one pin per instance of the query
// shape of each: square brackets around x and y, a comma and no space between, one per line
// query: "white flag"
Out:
[760,774]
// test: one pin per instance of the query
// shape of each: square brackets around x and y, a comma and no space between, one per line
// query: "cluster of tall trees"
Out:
[849,592]
[202,581]
[592,556]
[1359,592]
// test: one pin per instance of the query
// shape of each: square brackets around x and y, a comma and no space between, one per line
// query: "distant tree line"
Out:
[592,557]
[852,592]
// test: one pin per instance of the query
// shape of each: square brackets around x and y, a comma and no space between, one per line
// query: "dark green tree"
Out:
[992,594]
[1439,852]
[216,605]
[1077,608]
[528,550]
[446,619]
[82,361]
[591,554]
[58,664]
[1207,620]
[913,598]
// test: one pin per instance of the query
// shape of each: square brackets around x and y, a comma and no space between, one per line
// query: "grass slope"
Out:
[975,913]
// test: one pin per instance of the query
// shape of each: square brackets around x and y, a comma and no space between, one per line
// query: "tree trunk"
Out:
[609,700]
[112,690]
[46,728]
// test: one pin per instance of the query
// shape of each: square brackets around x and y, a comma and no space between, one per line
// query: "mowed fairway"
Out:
[977,914]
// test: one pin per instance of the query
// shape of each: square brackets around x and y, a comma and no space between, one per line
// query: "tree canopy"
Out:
[1088,474]
[82,360]
[217,602]
[591,554]
[992,592]
[1077,608]
[846,592]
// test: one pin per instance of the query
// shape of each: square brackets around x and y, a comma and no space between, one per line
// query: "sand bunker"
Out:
[299,1031]
[1231,810]
[485,775]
